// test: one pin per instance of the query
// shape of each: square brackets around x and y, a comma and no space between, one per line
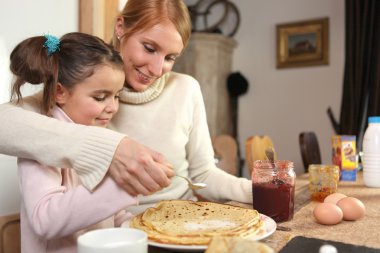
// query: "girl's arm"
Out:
[54,211]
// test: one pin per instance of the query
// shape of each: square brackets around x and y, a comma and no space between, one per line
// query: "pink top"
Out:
[56,208]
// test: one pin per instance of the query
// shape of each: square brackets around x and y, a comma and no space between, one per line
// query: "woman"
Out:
[159,108]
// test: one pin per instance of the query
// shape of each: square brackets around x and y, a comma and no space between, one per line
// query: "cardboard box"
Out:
[344,155]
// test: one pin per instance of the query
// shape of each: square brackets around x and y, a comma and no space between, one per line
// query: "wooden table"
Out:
[361,232]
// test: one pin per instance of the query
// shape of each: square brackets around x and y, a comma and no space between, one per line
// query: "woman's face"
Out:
[149,54]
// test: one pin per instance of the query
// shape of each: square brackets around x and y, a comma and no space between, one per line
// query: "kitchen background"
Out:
[280,103]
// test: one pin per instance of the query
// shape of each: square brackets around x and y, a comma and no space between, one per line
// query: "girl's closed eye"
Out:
[100,98]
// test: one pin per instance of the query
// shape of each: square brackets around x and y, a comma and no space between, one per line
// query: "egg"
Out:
[334,198]
[353,208]
[327,214]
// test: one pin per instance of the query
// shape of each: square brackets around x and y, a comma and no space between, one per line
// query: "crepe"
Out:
[222,244]
[195,223]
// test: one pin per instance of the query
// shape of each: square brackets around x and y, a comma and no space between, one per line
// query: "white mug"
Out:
[113,240]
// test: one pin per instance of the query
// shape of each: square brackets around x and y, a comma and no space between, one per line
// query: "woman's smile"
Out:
[142,78]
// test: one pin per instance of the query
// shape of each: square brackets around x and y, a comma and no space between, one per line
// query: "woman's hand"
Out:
[138,169]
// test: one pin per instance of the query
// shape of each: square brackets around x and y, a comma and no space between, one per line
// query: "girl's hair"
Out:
[75,60]
[141,15]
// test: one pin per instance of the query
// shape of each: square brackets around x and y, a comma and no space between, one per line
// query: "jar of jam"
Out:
[273,186]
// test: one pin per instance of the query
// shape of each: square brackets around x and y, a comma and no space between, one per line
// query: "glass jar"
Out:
[273,189]
[323,180]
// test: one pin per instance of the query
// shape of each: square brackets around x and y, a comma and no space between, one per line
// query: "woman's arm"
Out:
[221,186]
[90,150]
[31,135]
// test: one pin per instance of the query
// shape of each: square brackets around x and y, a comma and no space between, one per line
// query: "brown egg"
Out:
[334,198]
[327,213]
[353,209]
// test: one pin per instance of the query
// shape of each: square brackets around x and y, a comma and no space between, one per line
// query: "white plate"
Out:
[269,228]
[179,248]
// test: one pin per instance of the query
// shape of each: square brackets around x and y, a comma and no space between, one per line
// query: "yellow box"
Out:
[344,155]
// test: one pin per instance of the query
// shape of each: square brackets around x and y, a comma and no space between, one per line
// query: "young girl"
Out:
[82,77]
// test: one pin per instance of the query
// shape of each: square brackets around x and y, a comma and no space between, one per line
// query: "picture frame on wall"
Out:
[303,43]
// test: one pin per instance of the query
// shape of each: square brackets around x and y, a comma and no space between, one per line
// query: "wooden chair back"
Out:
[226,153]
[309,149]
[255,149]
[10,234]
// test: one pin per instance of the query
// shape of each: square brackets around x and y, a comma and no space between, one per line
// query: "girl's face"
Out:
[149,54]
[95,100]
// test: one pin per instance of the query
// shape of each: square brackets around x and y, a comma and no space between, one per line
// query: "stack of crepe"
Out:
[195,223]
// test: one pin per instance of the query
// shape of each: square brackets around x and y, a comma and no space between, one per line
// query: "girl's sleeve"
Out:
[53,211]
[27,134]
[122,217]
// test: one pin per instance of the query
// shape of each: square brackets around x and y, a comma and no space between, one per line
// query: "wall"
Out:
[18,20]
[284,102]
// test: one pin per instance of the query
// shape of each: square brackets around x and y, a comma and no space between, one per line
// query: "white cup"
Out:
[113,240]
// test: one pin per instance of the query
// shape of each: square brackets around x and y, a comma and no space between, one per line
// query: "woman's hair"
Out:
[75,59]
[140,15]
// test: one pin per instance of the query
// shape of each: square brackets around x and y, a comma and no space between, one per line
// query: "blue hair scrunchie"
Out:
[52,44]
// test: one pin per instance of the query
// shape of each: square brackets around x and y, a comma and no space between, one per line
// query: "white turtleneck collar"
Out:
[129,96]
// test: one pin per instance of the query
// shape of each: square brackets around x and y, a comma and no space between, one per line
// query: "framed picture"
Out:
[303,43]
